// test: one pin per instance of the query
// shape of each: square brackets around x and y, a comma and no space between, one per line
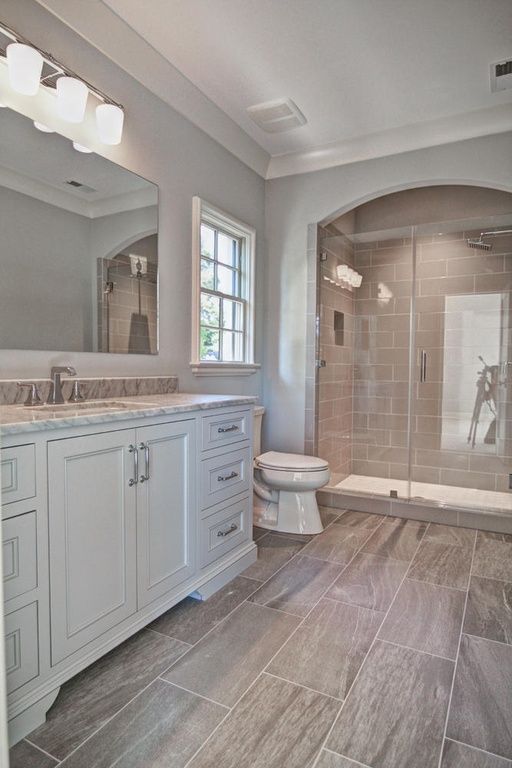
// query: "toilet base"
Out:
[293,513]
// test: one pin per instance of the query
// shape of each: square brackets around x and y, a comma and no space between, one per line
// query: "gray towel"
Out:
[139,334]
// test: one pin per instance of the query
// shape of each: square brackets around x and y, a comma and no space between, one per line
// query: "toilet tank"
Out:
[256,433]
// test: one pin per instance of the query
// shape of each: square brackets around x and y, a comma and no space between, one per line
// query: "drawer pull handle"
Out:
[232,528]
[135,479]
[232,428]
[231,476]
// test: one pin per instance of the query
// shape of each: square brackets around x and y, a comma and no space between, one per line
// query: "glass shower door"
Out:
[461,451]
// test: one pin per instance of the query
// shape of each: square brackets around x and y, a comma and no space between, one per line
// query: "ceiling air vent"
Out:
[501,75]
[80,186]
[276,116]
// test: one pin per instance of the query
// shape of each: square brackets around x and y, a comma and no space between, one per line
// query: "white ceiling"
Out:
[40,164]
[371,76]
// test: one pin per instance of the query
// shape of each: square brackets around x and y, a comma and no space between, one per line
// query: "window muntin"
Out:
[223,307]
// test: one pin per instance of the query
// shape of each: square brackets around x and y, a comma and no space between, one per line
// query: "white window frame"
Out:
[203,212]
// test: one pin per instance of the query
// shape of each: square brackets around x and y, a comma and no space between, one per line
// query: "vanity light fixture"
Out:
[25,65]
[72,96]
[29,67]
[349,276]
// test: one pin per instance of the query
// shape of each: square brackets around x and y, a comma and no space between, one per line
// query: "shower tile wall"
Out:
[462,312]
[334,383]
[120,326]
[381,359]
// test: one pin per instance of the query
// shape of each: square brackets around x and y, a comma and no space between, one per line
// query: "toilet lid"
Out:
[295,462]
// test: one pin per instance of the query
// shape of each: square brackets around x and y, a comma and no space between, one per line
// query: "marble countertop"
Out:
[17,419]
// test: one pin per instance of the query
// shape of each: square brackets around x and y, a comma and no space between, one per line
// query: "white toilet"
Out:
[285,486]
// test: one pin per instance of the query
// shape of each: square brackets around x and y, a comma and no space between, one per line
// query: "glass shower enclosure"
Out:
[414,376]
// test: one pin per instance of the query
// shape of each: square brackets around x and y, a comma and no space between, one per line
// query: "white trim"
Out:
[4,738]
[108,33]
[203,211]
[224,369]
[393,141]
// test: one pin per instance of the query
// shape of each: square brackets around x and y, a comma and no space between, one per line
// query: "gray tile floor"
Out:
[380,643]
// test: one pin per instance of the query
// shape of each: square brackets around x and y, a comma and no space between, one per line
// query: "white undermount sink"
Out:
[90,405]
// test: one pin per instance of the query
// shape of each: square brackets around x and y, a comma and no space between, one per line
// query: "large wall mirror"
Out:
[78,247]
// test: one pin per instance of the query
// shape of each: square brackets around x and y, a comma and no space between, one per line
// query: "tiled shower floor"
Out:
[381,642]
[448,494]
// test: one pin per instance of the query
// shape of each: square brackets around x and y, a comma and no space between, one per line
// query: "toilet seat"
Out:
[290,462]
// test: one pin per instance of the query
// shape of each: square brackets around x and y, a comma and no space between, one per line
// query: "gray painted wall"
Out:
[46,282]
[294,202]
[162,146]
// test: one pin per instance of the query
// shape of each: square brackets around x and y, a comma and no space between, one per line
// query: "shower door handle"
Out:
[423,366]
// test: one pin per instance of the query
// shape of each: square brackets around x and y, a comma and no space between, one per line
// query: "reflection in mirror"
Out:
[127,299]
[78,247]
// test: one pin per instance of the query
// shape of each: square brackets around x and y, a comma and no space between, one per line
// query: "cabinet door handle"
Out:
[222,478]
[232,528]
[145,447]
[232,428]
[134,480]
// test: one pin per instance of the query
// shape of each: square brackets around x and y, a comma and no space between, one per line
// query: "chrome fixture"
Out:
[135,479]
[478,242]
[30,67]
[76,393]
[423,366]
[232,528]
[55,397]
[231,476]
[145,447]
[33,396]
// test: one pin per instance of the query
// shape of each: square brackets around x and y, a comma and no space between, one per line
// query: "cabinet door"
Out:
[166,515]
[92,521]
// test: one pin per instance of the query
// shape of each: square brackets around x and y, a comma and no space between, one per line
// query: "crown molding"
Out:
[447,130]
[112,36]
[96,23]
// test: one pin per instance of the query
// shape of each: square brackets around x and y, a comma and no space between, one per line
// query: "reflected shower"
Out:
[480,244]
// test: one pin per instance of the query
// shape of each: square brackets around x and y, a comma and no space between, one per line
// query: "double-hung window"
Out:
[223,302]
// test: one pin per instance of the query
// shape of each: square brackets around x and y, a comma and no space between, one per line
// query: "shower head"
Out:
[478,243]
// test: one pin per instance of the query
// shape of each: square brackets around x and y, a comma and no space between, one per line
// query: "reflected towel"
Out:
[139,334]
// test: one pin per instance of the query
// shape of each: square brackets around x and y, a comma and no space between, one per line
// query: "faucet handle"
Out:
[33,396]
[76,393]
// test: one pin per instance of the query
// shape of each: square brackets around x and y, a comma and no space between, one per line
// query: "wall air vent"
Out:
[277,116]
[501,75]
[80,186]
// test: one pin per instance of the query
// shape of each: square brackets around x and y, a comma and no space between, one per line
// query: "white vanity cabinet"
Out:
[92,526]
[122,527]
[166,523]
[108,524]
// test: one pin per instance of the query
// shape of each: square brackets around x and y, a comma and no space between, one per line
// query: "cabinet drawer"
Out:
[225,476]
[21,646]
[224,530]
[226,428]
[18,473]
[19,552]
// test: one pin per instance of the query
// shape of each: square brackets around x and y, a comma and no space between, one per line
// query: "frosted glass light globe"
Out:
[71,99]
[24,65]
[109,119]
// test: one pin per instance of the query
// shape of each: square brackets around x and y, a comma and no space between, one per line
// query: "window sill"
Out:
[224,369]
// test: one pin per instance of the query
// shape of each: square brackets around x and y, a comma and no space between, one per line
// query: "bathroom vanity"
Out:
[112,513]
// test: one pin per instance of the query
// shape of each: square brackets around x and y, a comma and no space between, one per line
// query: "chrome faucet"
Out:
[55,396]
